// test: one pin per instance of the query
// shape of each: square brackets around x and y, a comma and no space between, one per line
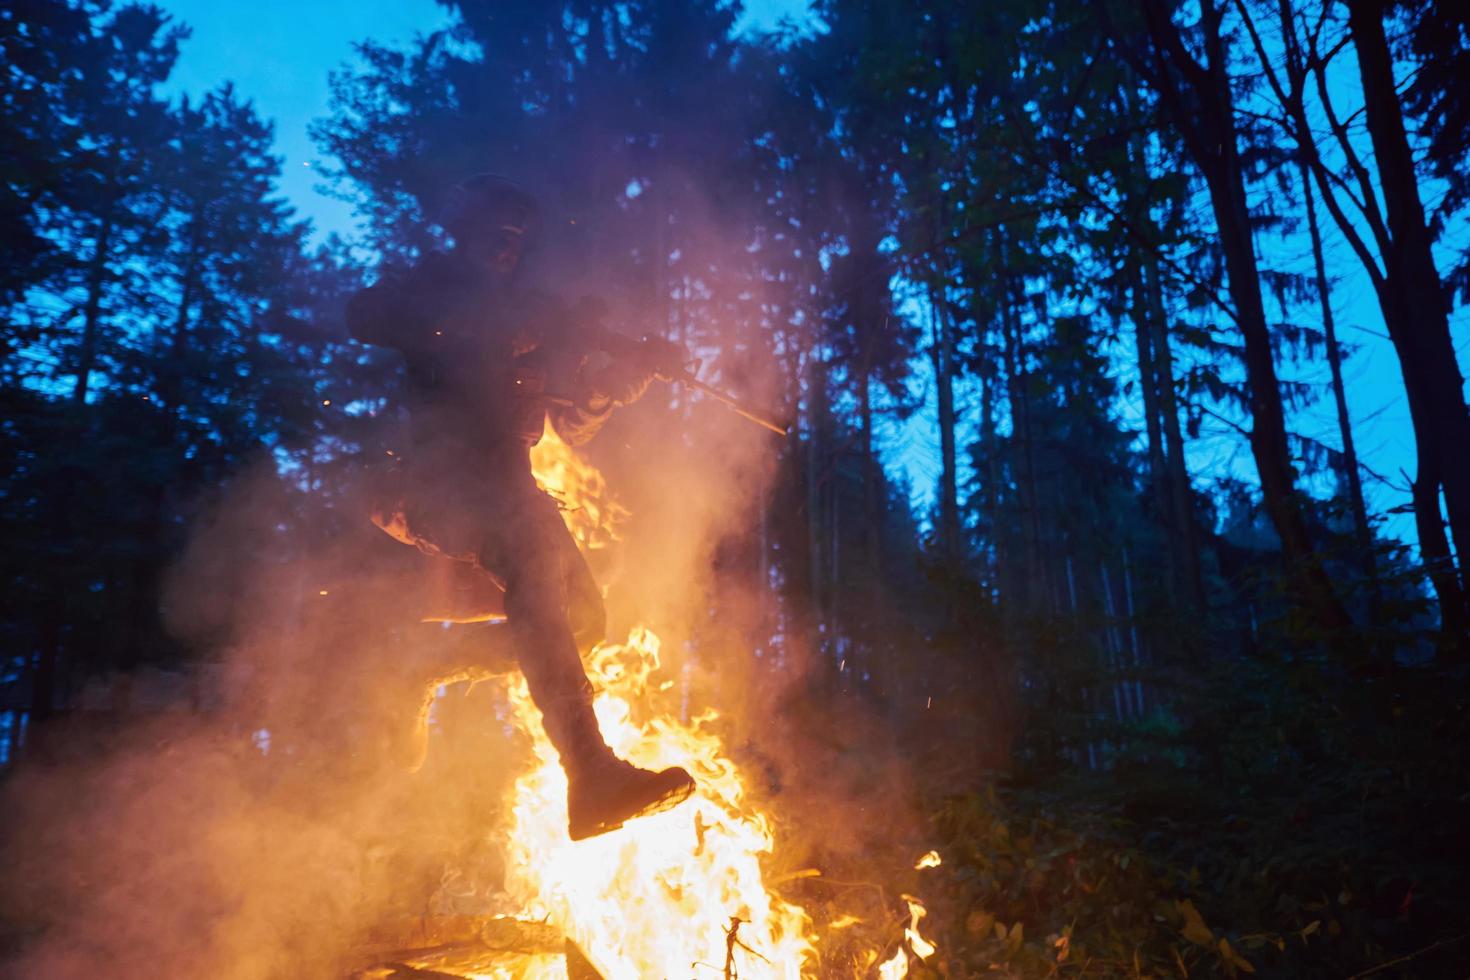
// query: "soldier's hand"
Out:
[626,376]
[620,381]
[666,359]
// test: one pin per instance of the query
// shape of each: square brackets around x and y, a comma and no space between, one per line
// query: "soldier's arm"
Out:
[398,311]
[616,373]
[614,369]
[577,423]
[580,340]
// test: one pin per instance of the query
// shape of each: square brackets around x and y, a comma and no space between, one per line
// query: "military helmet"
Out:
[489,203]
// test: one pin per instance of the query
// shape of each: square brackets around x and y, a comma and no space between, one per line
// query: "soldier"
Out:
[484,365]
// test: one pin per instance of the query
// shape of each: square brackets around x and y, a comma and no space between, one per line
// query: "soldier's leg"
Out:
[530,555]
[535,558]
[585,610]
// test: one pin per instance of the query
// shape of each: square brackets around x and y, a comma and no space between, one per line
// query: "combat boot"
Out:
[603,791]
[605,794]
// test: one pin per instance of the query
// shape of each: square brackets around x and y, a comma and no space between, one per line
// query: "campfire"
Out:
[680,894]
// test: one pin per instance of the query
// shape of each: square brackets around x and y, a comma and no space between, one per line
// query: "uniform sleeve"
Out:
[579,330]
[577,424]
[399,310]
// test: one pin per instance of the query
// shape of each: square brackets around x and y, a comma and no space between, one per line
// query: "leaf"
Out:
[979,922]
[1194,928]
[1233,958]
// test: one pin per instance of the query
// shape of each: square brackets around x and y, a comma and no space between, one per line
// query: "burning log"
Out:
[500,946]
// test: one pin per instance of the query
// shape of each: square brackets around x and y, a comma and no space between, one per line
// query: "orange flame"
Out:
[653,898]
[591,513]
[922,947]
[678,894]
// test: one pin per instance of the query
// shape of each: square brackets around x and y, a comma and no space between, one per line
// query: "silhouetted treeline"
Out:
[1046,231]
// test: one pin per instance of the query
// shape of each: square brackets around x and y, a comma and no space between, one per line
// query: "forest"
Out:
[1051,577]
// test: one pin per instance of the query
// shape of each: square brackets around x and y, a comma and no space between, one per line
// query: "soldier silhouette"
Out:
[483,360]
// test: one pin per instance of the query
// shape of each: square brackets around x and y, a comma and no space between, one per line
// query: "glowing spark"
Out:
[930,860]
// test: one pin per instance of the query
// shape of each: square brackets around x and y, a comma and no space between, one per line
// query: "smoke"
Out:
[276,833]
[265,835]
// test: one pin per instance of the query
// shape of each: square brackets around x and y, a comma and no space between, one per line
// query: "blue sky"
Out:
[278,54]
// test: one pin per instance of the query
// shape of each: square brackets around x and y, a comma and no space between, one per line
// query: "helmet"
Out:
[489,203]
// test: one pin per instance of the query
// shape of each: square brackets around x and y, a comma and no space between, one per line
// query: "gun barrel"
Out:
[730,401]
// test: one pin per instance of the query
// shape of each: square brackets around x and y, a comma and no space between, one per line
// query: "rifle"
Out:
[671,364]
[688,380]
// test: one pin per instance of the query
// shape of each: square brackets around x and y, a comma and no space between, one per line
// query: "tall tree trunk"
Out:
[1417,312]
[1181,490]
[91,322]
[1426,356]
[1148,380]
[816,522]
[1037,588]
[146,571]
[988,374]
[872,516]
[942,360]
[1268,438]
[172,373]
[1350,469]
[1156,366]
[1202,106]
[1434,549]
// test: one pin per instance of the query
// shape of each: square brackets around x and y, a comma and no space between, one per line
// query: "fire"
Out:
[656,897]
[922,947]
[591,513]
[678,894]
